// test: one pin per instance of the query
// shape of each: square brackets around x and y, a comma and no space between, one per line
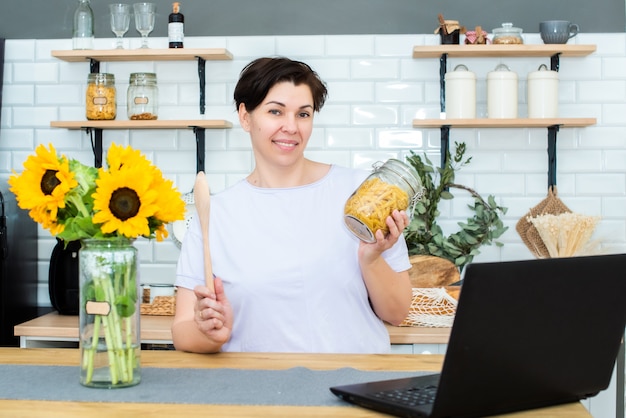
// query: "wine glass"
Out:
[144,20]
[120,20]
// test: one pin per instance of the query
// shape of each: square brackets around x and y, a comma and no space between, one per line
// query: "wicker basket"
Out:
[161,305]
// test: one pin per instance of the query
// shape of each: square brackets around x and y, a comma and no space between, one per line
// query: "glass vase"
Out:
[109,314]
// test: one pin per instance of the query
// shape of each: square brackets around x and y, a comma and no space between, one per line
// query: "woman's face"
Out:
[281,125]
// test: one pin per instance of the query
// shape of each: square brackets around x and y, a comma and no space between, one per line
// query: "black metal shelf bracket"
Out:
[200,148]
[95,133]
[445,130]
[96,145]
[552,133]
[94,65]
[554,62]
[443,67]
[445,144]
[202,79]
[552,130]
[200,132]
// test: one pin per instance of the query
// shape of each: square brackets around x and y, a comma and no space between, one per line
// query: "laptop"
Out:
[526,334]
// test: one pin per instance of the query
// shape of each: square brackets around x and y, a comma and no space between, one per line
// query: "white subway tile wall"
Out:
[376,89]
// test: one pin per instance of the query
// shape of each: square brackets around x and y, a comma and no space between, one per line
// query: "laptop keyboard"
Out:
[410,396]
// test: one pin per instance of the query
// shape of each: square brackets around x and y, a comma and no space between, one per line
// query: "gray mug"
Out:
[557,31]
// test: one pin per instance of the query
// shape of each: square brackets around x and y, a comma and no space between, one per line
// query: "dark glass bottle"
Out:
[176,27]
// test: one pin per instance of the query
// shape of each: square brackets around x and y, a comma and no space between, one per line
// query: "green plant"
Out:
[425,236]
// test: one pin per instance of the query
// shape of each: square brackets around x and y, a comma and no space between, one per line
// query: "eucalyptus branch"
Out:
[424,236]
[471,191]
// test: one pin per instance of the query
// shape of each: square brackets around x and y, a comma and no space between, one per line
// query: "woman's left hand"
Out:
[396,224]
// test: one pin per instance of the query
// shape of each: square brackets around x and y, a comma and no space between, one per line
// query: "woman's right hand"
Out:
[212,312]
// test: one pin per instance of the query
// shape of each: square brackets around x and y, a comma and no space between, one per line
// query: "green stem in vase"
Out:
[88,359]
[116,342]
[130,350]
[109,325]
[130,305]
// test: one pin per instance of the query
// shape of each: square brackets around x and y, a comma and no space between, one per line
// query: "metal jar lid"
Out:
[543,73]
[143,78]
[461,72]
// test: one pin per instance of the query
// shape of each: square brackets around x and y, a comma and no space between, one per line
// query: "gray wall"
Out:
[52,19]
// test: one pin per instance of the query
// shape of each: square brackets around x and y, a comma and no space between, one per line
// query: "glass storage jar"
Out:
[392,185]
[100,100]
[109,313]
[143,96]
[508,35]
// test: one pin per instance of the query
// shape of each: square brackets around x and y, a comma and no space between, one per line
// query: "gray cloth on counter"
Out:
[297,386]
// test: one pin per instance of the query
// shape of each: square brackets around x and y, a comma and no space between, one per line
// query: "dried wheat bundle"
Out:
[566,234]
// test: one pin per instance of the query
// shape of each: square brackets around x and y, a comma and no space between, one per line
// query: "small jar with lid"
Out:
[507,35]
[392,185]
[100,97]
[143,97]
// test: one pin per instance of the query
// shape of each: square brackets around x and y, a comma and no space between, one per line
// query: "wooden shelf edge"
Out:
[526,50]
[182,54]
[504,123]
[143,124]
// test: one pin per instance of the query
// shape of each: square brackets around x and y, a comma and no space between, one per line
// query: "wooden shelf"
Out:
[504,123]
[142,124]
[497,51]
[182,54]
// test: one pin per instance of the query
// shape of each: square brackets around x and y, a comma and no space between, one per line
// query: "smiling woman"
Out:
[289,276]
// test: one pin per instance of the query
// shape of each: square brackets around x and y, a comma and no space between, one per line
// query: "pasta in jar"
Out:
[393,186]
[100,97]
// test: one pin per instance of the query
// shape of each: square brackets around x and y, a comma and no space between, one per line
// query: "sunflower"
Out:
[170,206]
[43,186]
[124,201]
[119,158]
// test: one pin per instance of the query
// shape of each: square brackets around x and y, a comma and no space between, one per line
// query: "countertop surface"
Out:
[243,361]
[158,328]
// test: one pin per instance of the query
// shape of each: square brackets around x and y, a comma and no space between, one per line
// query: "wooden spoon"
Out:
[202,200]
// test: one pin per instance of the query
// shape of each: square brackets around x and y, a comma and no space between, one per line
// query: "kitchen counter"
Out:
[52,330]
[239,361]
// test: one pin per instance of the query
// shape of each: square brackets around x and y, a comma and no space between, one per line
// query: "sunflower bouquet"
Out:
[104,208]
[73,201]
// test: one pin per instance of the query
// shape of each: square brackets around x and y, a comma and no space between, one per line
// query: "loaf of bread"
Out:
[431,271]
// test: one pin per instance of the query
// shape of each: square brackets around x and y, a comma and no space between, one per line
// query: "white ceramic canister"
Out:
[460,93]
[502,93]
[543,93]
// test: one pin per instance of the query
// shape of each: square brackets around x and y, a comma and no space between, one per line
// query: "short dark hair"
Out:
[260,75]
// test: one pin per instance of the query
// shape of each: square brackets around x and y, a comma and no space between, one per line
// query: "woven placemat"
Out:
[160,306]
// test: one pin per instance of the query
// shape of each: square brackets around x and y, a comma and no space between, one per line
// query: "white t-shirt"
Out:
[289,266]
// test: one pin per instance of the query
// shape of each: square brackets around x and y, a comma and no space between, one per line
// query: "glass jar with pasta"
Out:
[392,185]
[100,100]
